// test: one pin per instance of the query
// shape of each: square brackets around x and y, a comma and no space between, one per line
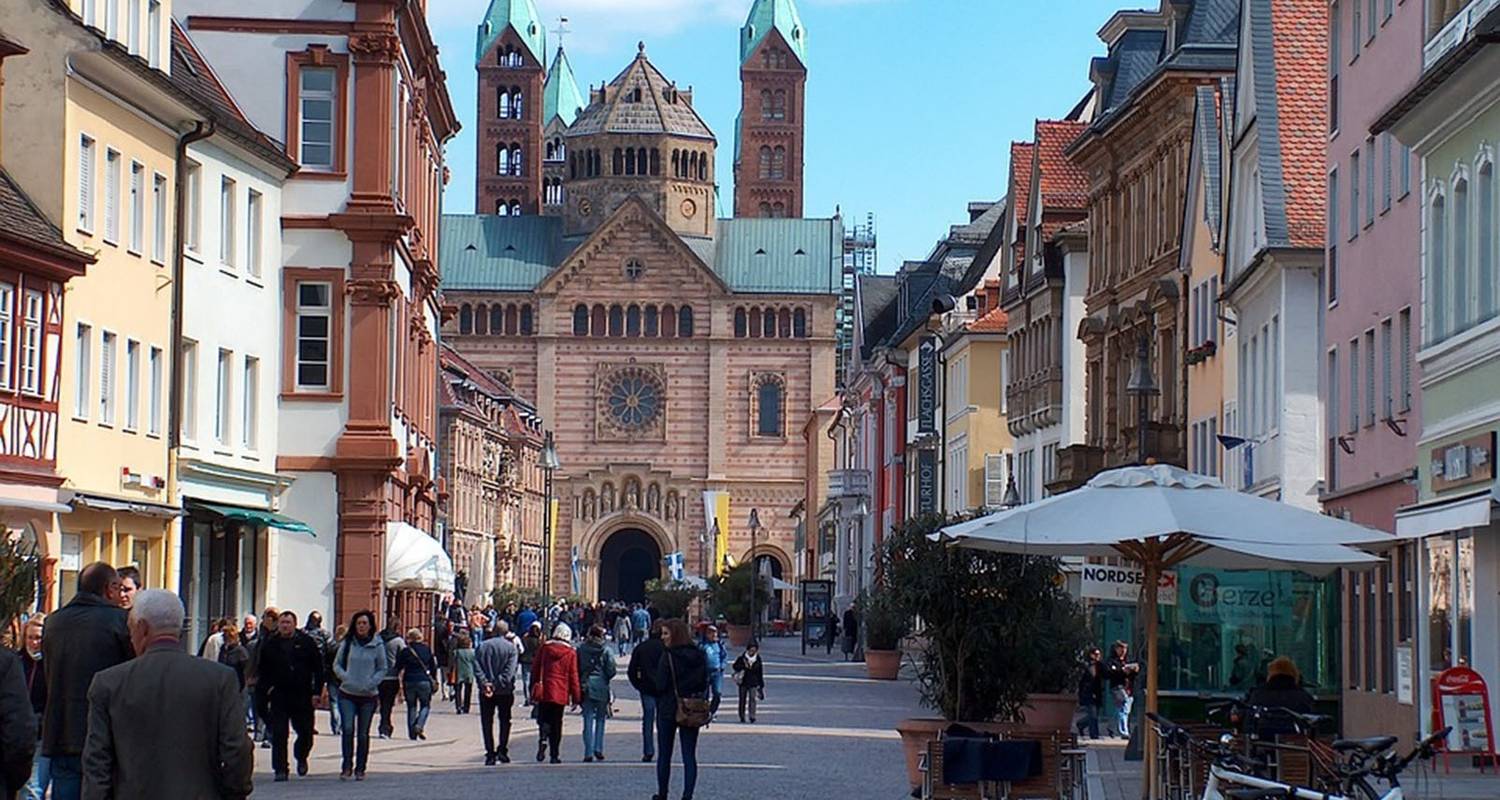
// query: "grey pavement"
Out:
[824,730]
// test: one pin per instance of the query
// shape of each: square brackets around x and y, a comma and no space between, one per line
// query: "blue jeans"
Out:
[716,683]
[41,777]
[666,733]
[1123,702]
[356,714]
[648,725]
[594,714]
[418,706]
[67,777]
[334,723]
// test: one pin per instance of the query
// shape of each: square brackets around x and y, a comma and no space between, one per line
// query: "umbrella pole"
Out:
[1151,574]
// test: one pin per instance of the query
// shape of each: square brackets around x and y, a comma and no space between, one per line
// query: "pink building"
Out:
[1373,284]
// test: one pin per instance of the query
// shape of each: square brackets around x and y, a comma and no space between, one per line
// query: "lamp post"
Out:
[1142,387]
[549,465]
[1012,496]
[754,573]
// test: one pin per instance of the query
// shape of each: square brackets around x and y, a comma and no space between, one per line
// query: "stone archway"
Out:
[772,560]
[628,557]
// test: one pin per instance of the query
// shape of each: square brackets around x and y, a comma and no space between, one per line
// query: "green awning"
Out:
[268,519]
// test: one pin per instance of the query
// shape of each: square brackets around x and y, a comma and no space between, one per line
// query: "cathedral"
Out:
[680,359]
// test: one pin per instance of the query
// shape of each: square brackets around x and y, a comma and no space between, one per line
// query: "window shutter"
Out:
[86,183]
[994,481]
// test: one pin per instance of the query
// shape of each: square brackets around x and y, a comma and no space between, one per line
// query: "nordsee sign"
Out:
[1102,582]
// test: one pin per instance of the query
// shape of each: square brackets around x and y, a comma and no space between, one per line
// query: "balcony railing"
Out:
[848,483]
[1455,31]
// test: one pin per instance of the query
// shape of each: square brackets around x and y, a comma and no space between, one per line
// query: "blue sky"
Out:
[912,104]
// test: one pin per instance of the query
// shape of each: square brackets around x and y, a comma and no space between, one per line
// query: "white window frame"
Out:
[109,346]
[7,319]
[192,239]
[254,233]
[32,313]
[158,373]
[137,243]
[112,177]
[229,244]
[132,385]
[250,404]
[153,33]
[189,390]
[159,211]
[88,154]
[223,398]
[332,97]
[313,311]
[83,372]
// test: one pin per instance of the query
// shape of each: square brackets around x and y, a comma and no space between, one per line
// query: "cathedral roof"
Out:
[560,95]
[518,14]
[485,252]
[768,15]
[658,107]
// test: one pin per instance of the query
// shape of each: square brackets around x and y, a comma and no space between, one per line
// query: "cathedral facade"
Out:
[678,358]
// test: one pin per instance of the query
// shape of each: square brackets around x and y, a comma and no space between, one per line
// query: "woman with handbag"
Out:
[683,706]
[750,674]
[554,685]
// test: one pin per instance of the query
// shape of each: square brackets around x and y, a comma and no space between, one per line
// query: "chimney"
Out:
[7,48]
[992,293]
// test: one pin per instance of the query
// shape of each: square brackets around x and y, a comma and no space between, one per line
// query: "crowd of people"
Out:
[115,650]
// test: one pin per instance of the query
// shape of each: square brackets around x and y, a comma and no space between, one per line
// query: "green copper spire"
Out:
[780,15]
[560,95]
[518,14]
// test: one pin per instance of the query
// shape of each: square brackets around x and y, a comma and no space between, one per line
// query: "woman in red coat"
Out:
[554,684]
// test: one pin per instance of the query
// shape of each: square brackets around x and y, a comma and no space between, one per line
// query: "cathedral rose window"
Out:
[634,398]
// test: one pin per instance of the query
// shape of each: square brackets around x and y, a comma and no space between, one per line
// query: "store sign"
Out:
[927,482]
[1217,597]
[1103,582]
[1463,463]
[1405,685]
[927,378]
[1462,702]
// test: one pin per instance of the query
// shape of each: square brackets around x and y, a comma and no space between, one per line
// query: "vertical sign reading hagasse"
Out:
[927,385]
[927,481]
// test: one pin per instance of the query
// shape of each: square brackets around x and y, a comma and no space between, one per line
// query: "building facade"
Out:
[1210,344]
[772,127]
[511,56]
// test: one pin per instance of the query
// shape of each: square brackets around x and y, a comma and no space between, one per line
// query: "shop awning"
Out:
[414,560]
[257,517]
[1448,514]
[99,503]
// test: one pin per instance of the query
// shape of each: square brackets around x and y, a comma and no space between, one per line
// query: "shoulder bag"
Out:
[692,712]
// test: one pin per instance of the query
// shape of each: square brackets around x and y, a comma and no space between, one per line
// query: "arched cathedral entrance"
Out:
[629,558]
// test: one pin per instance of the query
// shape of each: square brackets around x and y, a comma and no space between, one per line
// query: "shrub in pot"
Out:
[672,598]
[730,598]
[885,626]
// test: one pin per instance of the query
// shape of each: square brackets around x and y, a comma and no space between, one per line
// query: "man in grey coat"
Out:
[496,659]
[165,724]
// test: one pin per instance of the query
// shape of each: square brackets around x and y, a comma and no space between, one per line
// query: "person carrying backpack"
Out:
[596,667]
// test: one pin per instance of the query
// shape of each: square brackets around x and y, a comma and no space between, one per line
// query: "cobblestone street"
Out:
[824,731]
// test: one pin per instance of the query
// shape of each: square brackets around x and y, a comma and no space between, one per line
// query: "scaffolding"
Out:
[859,259]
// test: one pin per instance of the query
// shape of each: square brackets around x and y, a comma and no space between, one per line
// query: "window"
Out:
[112,196]
[1404,322]
[189,390]
[221,397]
[1335,29]
[1354,176]
[254,230]
[159,211]
[132,384]
[83,371]
[1370,176]
[1333,236]
[1387,387]
[1460,271]
[317,94]
[1331,379]
[1372,20]
[1437,284]
[1385,174]
[227,243]
[86,184]
[1405,170]
[7,311]
[1353,385]
[314,335]
[133,26]
[107,379]
[1369,377]
[112,18]
[250,403]
[32,303]
[137,208]
[616,321]
[193,237]
[653,321]
[769,398]
[153,427]
[580,320]
[153,32]
[1356,31]
[1487,222]
[685,322]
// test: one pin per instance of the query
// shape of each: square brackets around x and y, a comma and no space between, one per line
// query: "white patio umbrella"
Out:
[1162,517]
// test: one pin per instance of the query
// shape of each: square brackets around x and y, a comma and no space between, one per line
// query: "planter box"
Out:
[739,635]
[883,665]
[1043,712]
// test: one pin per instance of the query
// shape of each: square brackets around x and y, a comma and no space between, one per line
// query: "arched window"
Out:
[573,168]
[616,321]
[779,210]
[1487,278]
[1437,271]
[498,322]
[629,162]
[784,323]
[465,319]
[799,324]
[778,105]
[741,325]
[766,110]
[517,103]
[482,320]
[517,160]
[526,320]
[754,323]
[652,321]
[668,321]
[551,150]
[502,103]
[685,322]
[765,162]
[515,208]
[765,210]
[769,319]
[1460,270]
[633,320]
[502,160]
[580,320]
[778,164]
[642,162]
[703,167]
[562,149]
[768,402]
[512,320]
[692,164]
[502,208]
[619,162]
[597,321]
[655,162]
[676,166]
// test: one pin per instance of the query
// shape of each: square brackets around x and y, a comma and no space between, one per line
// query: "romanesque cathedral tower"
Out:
[769,139]
[510,58]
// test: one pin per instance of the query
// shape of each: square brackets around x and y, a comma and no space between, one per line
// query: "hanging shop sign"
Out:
[1463,463]
[927,481]
[1104,582]
[1223,596]
[927,388]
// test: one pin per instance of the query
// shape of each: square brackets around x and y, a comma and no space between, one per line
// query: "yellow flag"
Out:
[716,517]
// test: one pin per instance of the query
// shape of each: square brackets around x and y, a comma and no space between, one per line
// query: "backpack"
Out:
[596,686]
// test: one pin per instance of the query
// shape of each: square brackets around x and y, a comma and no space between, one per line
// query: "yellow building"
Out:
[977,436]
[101,145]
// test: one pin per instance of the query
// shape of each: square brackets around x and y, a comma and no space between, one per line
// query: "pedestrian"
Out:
[623,641]
[641,671]
[750,674]
[530,644]
[554,685]
[1119,673]
[683,678]
[331,681]
[209,649]
[443,644]
[360,666]
[851,634]
[232,654]
[640,625]
[830,630]
[17,726]
[391,686]
[596,668]
[166,724]
[524,618]
[1281,693]
[257,713]
[87,635]
[418,671]
[36,689]
[496,661]
[717,659]
[1090,694]
[314,628]
[130,584]
[290,669]
[463,673]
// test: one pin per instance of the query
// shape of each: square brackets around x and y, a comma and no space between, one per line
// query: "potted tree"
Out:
[885,626]
[1000,635]
[730,597]
[672,598]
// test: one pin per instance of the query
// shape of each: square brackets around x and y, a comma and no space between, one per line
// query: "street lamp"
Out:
[1142,387]
[754,572]
[549,465]
[1012,496]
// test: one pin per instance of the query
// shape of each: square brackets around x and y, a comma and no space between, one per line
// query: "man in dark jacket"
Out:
[17,727]
[642,674]
[496,661]
[87,635]
[165,724]
[290,672]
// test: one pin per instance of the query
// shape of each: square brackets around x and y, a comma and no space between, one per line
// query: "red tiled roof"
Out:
[1064,185]
[1300,31]
[993,321]
[1020,189]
